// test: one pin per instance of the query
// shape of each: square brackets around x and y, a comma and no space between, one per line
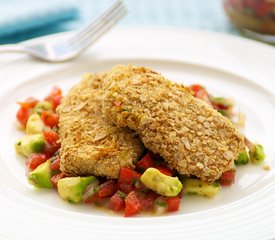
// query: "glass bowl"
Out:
[255,18]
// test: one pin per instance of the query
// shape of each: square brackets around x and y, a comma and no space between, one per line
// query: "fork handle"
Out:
[11,48]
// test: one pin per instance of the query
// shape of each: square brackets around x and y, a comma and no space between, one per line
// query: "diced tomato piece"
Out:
[55,101]
[128,176]
[50,119]
[55,163]
[23,115]
[107,189]
[173,204]
[220,106]
[51,136]
[57,145]
[263,8]
[196,88]
[237,4]
[146,199]
[221,103]
[129,180]
[227,178]
[55,178]
[54,97]
[117,202]
[28,103]
[125,187]
[165,170]
[56,91]
[34,160]
[145,162]
[250,3]
[132,205]
[51,149]
[94,197]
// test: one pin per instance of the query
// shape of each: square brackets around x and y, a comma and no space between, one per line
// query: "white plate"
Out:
[226,65]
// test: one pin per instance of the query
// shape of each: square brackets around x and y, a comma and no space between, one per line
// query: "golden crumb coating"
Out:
[90,145]
[189,134]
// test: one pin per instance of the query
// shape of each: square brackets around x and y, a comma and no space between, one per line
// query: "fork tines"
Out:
[97,28]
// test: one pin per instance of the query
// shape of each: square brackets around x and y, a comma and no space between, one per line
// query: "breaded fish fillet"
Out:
[89,144]
[189,134]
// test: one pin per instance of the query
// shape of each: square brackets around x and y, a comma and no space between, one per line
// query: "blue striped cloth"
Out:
[29,18]
[20,20]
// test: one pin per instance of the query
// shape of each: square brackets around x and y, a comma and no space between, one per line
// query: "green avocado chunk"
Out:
[42,106]
[256,154]
[161,183]
[34,124]
[30,144]
[197,187]
[41,176]
[71,188]
[242,158]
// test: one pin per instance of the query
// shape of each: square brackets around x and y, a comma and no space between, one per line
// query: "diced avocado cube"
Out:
[223,112]
[71,188]
[34,124]
[197,187]
[41,176]
[242,158]
[161,183]
[256,154]
[30,144]
[222,101]
[42,106]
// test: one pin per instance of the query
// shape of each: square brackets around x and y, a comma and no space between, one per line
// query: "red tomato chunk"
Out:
[107,189]
[129,180]
[125,187]
[50,119]
[28,103]
[54,97]
[145,162]
[128,175]
[165,170]
[117,202]
[55,163]
[35,159]
[93,196]
[51,149]
[25,110]
[173,204]
[23,116]
[132,205]
[263,8]
[195,88]
[227,178]
[146,199]
[51,136]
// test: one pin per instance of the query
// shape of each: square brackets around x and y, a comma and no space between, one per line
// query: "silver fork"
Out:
[72,47]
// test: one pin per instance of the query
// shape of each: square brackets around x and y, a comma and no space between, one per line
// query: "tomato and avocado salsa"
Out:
[151,187]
